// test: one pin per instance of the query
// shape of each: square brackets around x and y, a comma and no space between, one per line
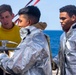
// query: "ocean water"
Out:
[54,40]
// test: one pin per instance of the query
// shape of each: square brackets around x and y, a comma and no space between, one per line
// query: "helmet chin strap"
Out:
[16,21]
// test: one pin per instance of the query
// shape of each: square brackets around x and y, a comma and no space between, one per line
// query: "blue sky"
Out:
[49,10]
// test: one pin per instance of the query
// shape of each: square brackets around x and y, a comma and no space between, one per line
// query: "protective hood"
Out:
[40,25]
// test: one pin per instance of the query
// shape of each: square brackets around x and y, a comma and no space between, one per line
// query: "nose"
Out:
[61,21]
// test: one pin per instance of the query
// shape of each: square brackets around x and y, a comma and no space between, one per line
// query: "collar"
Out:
[27,30]
[68,34]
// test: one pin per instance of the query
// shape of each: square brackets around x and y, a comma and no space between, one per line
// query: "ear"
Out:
[73,18]
[30,22]
[13,15]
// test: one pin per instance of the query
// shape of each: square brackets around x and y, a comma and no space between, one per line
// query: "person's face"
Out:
[23,21]
[66,21]
[6,19]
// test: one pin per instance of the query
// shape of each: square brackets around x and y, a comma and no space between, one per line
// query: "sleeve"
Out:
[3,58]
[25,58]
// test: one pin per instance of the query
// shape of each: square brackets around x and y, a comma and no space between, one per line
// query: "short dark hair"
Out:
[32,11]
[4,8]
[70,9]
